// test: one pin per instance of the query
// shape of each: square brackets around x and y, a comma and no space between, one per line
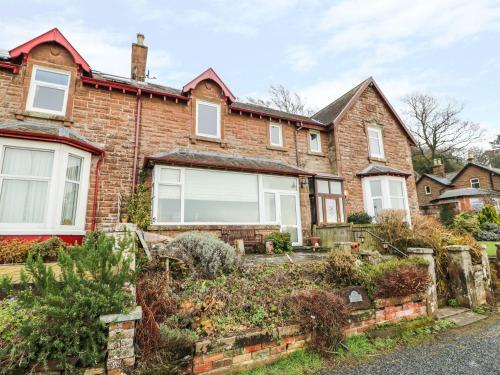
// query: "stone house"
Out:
[466,190]
[73,141]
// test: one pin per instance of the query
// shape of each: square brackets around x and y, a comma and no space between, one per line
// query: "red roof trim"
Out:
[223,167]
[15,68]
[210,74]
[366,83]
[50,138]
[264,114]
[55,36]
[130,88]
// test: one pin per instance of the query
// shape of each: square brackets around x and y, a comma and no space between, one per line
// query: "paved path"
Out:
[471,350]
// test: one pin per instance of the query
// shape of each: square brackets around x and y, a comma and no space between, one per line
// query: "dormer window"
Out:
[375,142]
[48,91]
[275,135]
[474,183]
[314,141]
[207,119]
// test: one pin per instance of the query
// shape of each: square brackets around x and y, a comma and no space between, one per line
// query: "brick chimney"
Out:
[139,58]
[438,168]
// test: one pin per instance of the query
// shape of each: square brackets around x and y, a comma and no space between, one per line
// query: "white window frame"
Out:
[380,139]
[52,222]
[209,104]
[261,191]
[428,190]
[280,127]
[34,83]
[386,197]
[318,133]
[473,181]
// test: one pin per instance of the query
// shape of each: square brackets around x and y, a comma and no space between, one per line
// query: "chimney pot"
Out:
[140,39]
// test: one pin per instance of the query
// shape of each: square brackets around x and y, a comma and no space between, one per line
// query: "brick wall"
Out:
[436,190]
[463,180]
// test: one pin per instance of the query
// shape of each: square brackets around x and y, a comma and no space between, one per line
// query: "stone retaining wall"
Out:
[259,348]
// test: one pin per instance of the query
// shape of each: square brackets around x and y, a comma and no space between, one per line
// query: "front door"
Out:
[289,217]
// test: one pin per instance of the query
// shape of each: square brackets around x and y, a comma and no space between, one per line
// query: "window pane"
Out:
[377,205]
[397,203]
[275,135]
[270,207]
[51,77]
[23,201]
[74,168]
[213,196]
[335,187]
[331,210]
[49,98]
[288,210]
[374,146]
[280,183]
[323,187]
[22,162]
[294,236]
[169,204]
[376,188]
[320,209]
[170,175]
[314,141]
[70,200]
[207,120]
[396,188]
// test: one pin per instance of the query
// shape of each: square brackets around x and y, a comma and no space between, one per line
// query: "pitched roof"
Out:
[190,157]
[442,180]
[334,112]
[209,74]
[465,192]
[451,176]
[276,112]
[129,81]
[378,170]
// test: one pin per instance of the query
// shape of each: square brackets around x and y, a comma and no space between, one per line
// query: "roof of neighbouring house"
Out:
[49,133]
[207,159]
[442,180]
[448,180]
[465,192]
[378,170]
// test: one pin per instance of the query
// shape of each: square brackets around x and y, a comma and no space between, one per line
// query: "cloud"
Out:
[301,58]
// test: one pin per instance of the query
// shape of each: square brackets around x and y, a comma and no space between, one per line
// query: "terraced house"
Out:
[73,141]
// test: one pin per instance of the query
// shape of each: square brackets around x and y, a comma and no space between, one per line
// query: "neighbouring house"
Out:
[466,190]
[73,141]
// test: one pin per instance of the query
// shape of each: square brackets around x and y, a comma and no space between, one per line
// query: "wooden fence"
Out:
[345,232]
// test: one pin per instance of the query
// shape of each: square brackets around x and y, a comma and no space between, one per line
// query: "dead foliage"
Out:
[402,281]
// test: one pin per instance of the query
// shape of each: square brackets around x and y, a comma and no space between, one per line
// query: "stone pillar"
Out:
[486,271]
[305,209]
[121,352]
[461,275]
[427,254]
[120,233]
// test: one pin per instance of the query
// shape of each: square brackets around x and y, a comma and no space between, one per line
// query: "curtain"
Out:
[23,201]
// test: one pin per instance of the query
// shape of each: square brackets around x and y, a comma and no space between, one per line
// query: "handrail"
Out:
[380,239]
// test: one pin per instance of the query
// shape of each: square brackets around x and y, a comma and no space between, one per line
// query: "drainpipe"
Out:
[96,190]
[138,111]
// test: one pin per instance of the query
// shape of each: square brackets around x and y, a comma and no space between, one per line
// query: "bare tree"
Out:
[281,98]
[438,128]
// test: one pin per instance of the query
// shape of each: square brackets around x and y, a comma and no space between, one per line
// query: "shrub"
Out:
[281,241]
[342,268]
[206,255]
[14,251]
[48,249]
[139,205]
[488,214]
[402,281]
[466,223]
[446,214]
[323,312]
[64,324]
[359,218]
[489,232]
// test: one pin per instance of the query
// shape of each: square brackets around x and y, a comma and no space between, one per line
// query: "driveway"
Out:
[471,350]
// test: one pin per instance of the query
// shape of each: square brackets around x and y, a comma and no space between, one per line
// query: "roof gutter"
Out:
[13,67]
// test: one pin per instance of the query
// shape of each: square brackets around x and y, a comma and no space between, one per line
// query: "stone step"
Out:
[446,312]
[466,318]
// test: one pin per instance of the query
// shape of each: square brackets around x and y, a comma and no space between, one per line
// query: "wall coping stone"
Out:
[135,314]
[394,301]
[458,248]
[420,250]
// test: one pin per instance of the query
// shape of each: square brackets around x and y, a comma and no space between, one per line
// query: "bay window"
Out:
[383,193]
[43,187]
[189,196]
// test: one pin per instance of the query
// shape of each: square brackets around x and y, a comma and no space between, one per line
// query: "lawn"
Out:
[490,247]
[13,271]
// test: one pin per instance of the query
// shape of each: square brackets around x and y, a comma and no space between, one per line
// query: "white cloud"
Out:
[301,58]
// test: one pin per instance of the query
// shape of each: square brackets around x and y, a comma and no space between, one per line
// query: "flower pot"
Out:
[314,241]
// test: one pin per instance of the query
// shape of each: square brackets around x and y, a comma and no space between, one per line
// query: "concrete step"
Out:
[466,318]
[446,312]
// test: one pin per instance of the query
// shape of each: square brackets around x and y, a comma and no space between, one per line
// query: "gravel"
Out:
[470,350]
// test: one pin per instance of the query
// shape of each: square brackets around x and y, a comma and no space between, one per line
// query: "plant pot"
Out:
[314,241]
[124,218]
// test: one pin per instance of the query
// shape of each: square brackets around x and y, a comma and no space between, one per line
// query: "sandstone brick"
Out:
[242,357]
[253,348]
[202,368]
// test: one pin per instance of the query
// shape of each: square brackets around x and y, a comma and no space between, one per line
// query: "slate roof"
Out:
[465,192]
[378,170]
[48,130]
[129,81]
[190,157]
[442,180]
[275,112]
[332,110]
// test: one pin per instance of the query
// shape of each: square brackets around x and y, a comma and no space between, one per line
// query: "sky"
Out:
[319,49]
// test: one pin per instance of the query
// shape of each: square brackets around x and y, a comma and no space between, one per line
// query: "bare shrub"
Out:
[322,312]
[401,282]
[341,268]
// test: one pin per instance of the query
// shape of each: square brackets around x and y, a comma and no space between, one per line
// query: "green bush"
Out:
[139,205]
[48,249]
[63,325]
[359,218]
[281,240]
[488,214]
[446,214]
[205,255]
[466,223]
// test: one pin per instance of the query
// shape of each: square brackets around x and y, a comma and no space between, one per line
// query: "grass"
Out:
[302,362]
[13,271]
[490,247]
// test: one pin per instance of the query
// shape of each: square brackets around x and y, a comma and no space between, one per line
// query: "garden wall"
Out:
[259,348]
